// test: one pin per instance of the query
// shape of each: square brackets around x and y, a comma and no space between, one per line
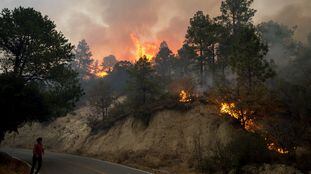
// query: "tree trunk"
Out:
[201,67]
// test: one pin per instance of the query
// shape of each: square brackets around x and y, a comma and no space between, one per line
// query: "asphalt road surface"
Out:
[56,163]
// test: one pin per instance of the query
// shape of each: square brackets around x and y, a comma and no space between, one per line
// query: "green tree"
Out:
[101,97]
[186,60]
[119,77]
[33,45]
[236,14]
[164,61]
[202,35]
[244,50]
[250,64]
[37,81]
[83,60]
[142,89]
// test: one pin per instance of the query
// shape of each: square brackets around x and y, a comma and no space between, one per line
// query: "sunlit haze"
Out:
[107,25]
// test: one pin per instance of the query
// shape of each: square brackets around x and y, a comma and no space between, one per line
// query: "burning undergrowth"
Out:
[184,96]
[250,124]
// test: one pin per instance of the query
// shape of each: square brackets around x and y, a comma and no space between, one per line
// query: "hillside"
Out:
[169,144]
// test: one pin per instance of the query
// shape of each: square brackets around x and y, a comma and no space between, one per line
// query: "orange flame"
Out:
[230,109]
[184,97]
[143,48]
[102,74]
[249,124]
[273,147]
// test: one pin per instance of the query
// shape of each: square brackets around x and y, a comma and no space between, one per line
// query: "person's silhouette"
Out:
[38,152]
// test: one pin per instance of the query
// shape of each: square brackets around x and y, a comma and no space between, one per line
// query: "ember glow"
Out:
[184,97]
[102,74]
[274,147]
[147,49]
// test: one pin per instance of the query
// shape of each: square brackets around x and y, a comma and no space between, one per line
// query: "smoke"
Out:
[107,25]
[293,13]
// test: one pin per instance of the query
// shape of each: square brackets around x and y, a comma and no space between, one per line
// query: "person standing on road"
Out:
[38,152]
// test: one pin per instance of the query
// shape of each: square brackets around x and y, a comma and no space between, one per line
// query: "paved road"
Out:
[56,163]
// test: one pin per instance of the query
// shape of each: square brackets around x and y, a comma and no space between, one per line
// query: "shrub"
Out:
[246,148]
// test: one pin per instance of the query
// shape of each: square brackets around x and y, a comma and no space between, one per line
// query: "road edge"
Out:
[16,162]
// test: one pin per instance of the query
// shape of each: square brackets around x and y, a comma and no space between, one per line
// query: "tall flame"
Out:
[147,49]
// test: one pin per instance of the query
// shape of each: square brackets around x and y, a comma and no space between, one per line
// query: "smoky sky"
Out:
[107,24]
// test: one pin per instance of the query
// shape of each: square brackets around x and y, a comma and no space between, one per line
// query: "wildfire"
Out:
[143,48]
[230,109]
[274,147]
[249,124]
[184,97]
[102,74]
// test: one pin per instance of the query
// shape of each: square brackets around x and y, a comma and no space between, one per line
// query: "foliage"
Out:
[34,46]
[83,60]
[185,60]
[101,97]
[164,61]
[245,149]
[19,103]
[202,36]
[142,88]
[109,62]
[248,60]
[235,14]
[37,82]
[119,77]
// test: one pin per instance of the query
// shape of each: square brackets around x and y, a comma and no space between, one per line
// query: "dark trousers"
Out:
[36,160]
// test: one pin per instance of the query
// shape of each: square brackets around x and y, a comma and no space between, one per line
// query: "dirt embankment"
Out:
[9,165]
[166,145]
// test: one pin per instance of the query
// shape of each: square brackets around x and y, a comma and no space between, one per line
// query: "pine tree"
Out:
[186,59]
[83,60]
[236,14]
[245,51]
[202,36]
[164,61]
[96,68]
[142,89]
